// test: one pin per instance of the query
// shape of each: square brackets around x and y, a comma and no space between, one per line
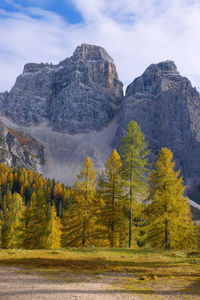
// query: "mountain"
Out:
[70,108]
[167,108]
[76,108]
[80,94]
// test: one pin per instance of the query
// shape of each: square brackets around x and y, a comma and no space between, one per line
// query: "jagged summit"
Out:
[85,53]
[156,78]
[80,94]
[165,68]
[91,53]
[34,67]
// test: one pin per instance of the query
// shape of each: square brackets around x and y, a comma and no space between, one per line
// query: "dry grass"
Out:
[148,273]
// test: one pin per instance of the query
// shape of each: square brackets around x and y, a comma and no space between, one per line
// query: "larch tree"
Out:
[78,221]
[53,229]
[168,215]
[36,222]
[58,196]
[12,222]
[110,191]
[134,155]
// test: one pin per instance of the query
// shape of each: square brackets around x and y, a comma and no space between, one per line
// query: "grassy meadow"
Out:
[148,273]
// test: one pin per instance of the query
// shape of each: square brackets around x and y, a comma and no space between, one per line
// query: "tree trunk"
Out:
[112,222]
[130,228]
[84,227]
[130,217]
[85,210]
[167,241]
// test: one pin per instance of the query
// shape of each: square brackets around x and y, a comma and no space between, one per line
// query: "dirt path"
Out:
[18,284]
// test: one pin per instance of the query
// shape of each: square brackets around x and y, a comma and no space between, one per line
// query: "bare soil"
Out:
[16,283]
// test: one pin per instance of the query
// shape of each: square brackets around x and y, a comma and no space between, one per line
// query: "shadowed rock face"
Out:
[79,94]
[167,108]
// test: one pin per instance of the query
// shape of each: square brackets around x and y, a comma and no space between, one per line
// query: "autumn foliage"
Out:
[126,205]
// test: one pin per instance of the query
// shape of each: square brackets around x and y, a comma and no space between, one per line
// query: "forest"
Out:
[131,203]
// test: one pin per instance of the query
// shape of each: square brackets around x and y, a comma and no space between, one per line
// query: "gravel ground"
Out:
[18,284]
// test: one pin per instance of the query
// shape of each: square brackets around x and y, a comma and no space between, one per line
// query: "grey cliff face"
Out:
[80,94]
[3,98]
[19,149]
[167,108]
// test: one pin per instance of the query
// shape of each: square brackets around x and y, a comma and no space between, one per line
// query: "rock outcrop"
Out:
[80,94]
[167,108]
[19,149]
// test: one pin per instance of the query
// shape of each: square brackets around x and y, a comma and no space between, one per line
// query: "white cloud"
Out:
[136,33]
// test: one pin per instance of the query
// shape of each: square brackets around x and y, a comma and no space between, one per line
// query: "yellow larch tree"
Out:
[13,222]
[78,221]
[168,215]
[111,201]
[53,229]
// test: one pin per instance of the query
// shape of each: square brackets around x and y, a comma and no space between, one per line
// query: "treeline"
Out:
[129,204]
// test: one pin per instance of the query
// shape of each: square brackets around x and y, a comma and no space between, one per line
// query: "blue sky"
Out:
[65,8]
[135,33]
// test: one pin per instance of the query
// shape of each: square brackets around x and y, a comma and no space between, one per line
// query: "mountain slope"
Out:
[19,149]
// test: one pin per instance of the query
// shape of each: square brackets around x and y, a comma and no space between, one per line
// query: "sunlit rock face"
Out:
[167,108]
[19,149]
[80,94]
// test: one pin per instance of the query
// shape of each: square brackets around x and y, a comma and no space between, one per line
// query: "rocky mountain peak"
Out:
[79,94]
[164,68]
[157,78]
[91,53]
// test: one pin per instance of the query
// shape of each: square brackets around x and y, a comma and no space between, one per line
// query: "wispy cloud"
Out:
[136,33]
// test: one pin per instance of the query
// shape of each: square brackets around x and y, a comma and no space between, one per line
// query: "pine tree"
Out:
[110,190]
[168,214]
[134,163]
[12,222]
[78,221]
